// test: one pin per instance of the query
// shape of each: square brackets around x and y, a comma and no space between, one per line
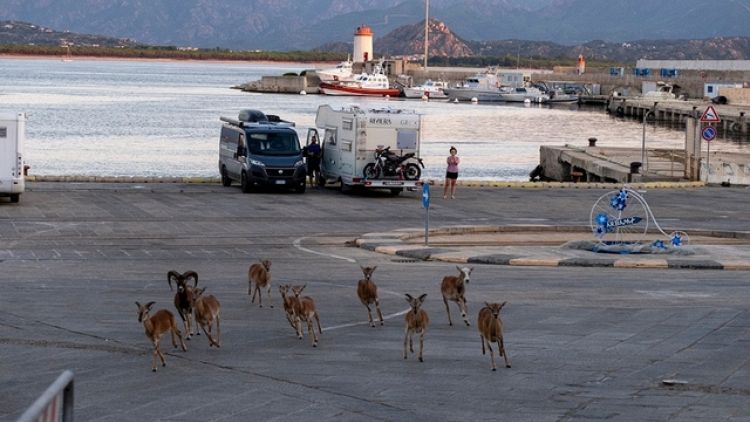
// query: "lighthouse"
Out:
[362,44]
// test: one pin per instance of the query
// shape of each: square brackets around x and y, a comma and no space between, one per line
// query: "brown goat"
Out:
[416,323]
[368,293]
[208,310]
[288,301]
[184,299]
[491,329]
[304,310]
[454,288]
[156,326]
[260,274]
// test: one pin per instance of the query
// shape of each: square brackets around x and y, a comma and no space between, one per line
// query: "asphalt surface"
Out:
[584,342]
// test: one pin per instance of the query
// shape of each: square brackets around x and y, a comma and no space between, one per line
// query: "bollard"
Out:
[592,142]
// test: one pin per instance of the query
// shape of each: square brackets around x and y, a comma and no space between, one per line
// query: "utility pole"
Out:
[426,30]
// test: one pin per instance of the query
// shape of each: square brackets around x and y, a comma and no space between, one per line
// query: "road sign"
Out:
[710,115]
[426,195]
[708,133]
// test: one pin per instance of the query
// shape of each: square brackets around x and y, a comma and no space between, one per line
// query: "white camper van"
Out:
[371,148]
[12,137]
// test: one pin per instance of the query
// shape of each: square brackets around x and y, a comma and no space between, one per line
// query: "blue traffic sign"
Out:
[426,195]
[709,133]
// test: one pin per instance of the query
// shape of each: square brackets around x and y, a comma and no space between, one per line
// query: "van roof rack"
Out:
[249,117]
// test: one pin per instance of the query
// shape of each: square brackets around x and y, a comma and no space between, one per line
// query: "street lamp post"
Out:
[644,156]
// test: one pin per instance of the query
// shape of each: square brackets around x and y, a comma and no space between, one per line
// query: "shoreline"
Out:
[165,60]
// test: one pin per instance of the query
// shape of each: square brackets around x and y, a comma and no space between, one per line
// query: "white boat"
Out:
[482,86]
[430,89]
[369,84]
[559,96]
[342,72]
[523,94]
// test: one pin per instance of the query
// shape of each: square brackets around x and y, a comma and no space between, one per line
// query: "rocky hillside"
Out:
[409,40]
[14,32]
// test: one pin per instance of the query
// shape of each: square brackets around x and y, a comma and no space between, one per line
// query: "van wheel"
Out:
[14,197]
[301,187]
[245,184]
[396,191]
[225,180]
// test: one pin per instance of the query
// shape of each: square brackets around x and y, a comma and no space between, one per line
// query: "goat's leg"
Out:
[421,344]
[481,337]
[503,353]
[298,322]
[369,315]
[179,336]
[160,354]
[255,292]
[492,354]
[270,305]
[317,319]
[380,314]
[447,309]
[406,340]
[249,287]
[464,310]
[311,332]
[218,331]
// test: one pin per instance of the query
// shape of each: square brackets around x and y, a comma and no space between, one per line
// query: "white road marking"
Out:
[298,244]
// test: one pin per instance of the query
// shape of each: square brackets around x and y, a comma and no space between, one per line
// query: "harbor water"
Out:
[161,118]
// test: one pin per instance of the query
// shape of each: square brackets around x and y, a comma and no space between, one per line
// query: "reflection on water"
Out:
[99,117]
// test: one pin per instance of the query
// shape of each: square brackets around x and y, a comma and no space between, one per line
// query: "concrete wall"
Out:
[736,96]
[724,65]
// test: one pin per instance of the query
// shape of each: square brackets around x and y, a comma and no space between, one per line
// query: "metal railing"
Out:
[55,404]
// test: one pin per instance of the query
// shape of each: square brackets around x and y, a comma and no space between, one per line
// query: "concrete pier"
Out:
[734,119]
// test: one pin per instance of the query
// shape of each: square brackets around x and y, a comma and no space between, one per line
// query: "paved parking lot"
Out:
[585,343]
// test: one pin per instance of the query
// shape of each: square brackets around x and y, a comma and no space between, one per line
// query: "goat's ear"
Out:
[487,304]
[193,275]
[373,269]
[408,297]
[502,304]
[138,304]
[302,288]
[460,270]
[149,305]
[471,269]
[421,298]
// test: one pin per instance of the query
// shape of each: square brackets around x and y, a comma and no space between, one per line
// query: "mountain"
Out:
[14,32]
[409,39]
[304,24]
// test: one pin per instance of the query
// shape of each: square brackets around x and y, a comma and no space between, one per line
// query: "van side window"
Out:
[331,137]
[241,150]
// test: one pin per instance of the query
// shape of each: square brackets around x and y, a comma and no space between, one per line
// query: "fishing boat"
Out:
[365,84]
[430,89]
[523,94]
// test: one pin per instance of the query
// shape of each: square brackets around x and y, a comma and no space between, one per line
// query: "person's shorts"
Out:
[312,167]
[451,175]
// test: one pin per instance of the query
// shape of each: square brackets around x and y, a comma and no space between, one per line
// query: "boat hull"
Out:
[416,92]
[468,94]
[332,89]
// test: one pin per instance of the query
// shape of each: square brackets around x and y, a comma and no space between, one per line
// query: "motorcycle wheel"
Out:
[412,172]
[371,171]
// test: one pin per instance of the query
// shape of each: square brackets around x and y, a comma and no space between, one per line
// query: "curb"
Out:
[392,243]
[465,183]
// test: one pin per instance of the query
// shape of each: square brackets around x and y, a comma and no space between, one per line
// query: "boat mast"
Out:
[426,29]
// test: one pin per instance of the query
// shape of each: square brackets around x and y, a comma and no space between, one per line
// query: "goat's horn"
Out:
[192,274]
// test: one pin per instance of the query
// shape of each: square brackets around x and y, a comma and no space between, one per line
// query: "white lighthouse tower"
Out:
[362,44]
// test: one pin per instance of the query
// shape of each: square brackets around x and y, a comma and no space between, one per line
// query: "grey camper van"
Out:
[260,150]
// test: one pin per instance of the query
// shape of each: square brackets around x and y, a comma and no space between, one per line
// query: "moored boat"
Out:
[342,72]
[367,84]
[430,89]
[523,94]
[482,87]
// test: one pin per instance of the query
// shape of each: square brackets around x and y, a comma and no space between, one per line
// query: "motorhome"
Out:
[260,150]
[351,137]
[12,139]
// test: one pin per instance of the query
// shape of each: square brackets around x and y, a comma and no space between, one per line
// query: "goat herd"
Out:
[197,309]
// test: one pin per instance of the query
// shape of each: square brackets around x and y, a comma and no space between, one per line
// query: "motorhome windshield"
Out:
[273,143]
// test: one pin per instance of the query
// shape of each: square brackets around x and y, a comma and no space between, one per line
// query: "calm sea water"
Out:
[101,117]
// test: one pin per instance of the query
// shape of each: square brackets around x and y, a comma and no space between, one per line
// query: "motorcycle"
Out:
[390,164]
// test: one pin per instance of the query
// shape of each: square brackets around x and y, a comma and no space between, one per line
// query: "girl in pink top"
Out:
[451,174]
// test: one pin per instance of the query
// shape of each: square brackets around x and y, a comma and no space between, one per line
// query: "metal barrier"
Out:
[55,404]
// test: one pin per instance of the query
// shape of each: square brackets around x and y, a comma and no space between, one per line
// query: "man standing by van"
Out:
[312,154]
